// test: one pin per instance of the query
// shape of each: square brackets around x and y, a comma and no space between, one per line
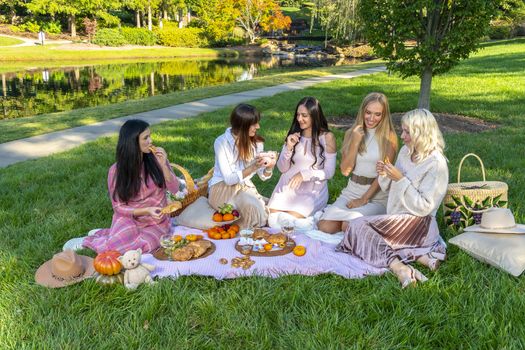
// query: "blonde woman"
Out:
[417,184]
[371,138]
[236,162]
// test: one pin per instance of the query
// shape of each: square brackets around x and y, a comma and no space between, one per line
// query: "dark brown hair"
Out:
[241,119]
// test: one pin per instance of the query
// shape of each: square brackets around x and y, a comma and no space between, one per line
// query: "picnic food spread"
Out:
[226,212]
[259,242]
[183,249]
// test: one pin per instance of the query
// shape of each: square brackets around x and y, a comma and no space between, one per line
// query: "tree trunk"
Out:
[424,89]
[137,18]
[73,26]
[150,26]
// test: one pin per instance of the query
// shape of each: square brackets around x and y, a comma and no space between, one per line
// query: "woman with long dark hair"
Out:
[307,161]
[237,160]
[137,185]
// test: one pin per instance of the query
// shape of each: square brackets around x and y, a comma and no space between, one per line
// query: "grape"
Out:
[455,216]
[477,218]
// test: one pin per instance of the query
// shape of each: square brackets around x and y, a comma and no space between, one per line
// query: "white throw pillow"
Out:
[504,251]
[197,215]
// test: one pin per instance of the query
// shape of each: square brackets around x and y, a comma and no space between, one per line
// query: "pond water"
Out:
[39,91]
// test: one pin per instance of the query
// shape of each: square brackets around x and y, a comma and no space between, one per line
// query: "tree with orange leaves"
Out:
[254,15]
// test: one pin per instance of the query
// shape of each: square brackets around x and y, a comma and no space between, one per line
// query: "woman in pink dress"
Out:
[307,161]
[137,185]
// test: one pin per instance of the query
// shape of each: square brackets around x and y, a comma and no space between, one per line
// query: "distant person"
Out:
[137,185]
[370,139]
[237,160]
[307,162]
[417,183]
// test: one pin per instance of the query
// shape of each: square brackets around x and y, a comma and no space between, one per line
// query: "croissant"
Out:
[170,208]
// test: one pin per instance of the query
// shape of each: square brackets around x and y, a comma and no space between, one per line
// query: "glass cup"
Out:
[288,230]
[166,242]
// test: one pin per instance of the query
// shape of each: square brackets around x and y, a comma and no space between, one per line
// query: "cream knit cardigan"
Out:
[422,188]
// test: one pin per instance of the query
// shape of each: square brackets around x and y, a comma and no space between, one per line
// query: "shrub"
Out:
[500,30]
[109,37]
[52,27]
[181,37]
[139,36]
[28,26]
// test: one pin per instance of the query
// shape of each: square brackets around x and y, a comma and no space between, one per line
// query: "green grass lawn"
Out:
[14,129]
[7,41]
[465,304]
[32,54]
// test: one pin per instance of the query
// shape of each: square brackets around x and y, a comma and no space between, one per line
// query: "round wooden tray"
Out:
[274,252]
[160,254]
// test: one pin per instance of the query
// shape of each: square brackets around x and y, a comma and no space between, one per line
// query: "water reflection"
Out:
[41,91]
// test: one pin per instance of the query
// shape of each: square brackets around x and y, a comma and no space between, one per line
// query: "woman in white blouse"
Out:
[417,184]
[236,161]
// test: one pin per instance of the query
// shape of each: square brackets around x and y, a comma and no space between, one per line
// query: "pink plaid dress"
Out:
[127,231]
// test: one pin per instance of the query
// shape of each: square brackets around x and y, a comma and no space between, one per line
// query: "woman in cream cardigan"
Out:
[417,185]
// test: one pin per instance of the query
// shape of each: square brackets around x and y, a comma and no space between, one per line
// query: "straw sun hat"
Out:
[63,269]
[497,220]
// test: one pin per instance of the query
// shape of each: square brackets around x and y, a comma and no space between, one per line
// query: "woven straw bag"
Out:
[464,199]
[193,193]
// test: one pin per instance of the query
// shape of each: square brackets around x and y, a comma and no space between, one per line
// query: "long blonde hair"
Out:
[424,133]
[384,130]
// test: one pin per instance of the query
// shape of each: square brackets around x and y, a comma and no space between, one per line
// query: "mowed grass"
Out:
[7,41]
[465,304]
[79,53]
[13,129]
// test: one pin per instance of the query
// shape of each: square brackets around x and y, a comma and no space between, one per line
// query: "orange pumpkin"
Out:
[107,263]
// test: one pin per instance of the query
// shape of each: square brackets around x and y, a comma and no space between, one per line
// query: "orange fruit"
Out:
[227,217]
[176,238]
[221,230]
[217,217]
[225,235]
[199,237]
[216,235]
[232,234]
[299,250]
[235,227]
[268,247]
[232,231]
[191,238]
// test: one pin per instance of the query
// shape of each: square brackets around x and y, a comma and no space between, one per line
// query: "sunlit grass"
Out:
[6,41]
[465,304]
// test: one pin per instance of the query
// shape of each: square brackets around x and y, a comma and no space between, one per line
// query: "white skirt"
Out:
[338,210]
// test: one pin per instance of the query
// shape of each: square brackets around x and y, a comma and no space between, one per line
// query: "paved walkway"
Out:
[59,141]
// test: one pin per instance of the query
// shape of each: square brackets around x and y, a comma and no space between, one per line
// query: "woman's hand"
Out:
[161,155]
[154,212]
[380,168]
[292,140]
[392,172]
[295,181]
[356,203]
[358,133]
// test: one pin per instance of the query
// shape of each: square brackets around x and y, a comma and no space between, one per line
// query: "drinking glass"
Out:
[166,242]
[288,230]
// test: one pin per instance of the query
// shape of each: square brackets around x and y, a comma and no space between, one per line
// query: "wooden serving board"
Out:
[274,252]
[160,254]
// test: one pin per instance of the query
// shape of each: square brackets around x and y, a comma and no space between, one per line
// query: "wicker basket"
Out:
[193,194]
[466,198]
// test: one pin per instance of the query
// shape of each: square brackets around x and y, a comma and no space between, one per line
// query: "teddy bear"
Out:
[136,272]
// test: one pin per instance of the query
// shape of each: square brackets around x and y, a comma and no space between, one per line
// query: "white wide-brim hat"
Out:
[497,220]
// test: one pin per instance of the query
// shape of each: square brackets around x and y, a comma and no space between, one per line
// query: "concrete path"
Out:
[59,141]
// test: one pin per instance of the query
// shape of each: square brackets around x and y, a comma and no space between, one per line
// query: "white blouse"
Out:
[422,188]
[228,166]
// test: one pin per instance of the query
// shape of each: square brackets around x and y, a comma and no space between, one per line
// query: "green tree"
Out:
[73,8]
[12,8]
[425,37]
